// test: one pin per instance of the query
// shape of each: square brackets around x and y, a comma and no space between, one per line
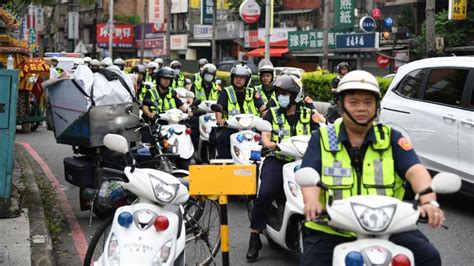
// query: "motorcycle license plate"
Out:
[255,155]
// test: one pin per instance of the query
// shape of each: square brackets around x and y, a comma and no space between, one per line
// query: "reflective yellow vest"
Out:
[163,104]
[201,92]
[378,171]
[281,125]
[178,83]
[233,107]
[259,89]
[197,77]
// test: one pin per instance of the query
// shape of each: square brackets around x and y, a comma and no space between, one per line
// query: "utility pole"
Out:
[168,29]
[430,27]
[214,32]
[94,30]
[145,19]
[268,33]
[326,34]
[111,26]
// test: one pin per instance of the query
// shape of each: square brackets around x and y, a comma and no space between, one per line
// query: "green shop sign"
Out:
[313,39]
[344,13]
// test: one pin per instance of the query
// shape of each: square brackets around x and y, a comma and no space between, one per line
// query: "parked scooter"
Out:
[151,231]
[374,219]
[207,120]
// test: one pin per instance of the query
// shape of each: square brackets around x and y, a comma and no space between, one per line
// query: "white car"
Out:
[431,101]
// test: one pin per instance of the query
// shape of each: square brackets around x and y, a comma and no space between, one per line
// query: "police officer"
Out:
[55,63]
[287,120]
[197,76]
[236,99]
[266,73]
[178,80]
[95,65]
[375,156]
[150,72]
[106,62]
[120,63]
[204,89]
[333,111]
[159,61]
[87,61]
[142,88]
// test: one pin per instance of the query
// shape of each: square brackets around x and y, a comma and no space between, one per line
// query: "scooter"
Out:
[207,120]
[374,219]
[151,231]
[287,216]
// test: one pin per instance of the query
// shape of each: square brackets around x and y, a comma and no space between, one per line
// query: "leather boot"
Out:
[255,244]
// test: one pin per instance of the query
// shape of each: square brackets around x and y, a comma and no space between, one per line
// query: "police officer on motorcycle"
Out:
[377,159]
[150,72]
[266,73]
[159,61]
[142,88]
[95,65]
[120,63]
[333,111]
[178,80]
[288,119]
[238,98]
[197,76]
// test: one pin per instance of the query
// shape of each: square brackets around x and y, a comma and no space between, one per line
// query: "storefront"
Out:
[122,40]
[154,41]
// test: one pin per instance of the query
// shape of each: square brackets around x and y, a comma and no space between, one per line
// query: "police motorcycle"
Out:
[245,147]
[151,231]
[374,219]
[207,121]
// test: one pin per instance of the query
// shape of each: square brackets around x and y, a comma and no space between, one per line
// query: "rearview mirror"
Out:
[263,125]
[217,108]
[307,177]
[189,94]
[445,183]
[129,109]
[196,102]
[116,143]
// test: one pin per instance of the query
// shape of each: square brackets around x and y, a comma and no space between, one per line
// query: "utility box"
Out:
[8,99]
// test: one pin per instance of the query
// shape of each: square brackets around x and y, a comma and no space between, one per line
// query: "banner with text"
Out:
[122,37]
[357,41]
[344,14]
[313,39]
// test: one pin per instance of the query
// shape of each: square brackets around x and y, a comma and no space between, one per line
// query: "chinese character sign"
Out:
[122,35]
[300,40]
[207,11]
[357,40]
[344,14]
[457,9]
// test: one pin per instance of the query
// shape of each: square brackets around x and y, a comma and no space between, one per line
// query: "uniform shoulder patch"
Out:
[405,144]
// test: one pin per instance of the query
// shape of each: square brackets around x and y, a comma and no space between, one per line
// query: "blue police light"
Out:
[255,156]
[171,130]
[354,258]
[297,167]
[207,118]
[125,219]
[240,137]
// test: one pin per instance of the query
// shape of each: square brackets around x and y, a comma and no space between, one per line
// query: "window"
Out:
[445,86]
[411,84]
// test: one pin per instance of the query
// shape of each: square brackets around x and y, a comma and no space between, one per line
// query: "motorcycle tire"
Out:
[101,211]
[99,238]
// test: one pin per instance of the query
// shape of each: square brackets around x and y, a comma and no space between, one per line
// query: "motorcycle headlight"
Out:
[373,219]
[163,254]
[164,192]
[174,149]
[294,188]
[300,146]
[236,151]
[113,252]
[245,121]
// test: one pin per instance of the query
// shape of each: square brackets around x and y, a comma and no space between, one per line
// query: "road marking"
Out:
[78,237]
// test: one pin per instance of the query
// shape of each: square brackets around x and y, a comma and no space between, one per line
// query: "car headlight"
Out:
[373,219]
[300,146]
[164,192]
[113,252]
[245,121]
[294,188]
[163,254]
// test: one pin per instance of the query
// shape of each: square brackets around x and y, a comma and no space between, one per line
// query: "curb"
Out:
[41,244]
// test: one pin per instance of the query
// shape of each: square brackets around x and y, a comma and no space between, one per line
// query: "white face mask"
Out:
[208,77]
[177,71]
[284,100]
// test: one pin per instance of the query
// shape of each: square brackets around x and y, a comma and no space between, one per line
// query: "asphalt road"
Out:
[455,244]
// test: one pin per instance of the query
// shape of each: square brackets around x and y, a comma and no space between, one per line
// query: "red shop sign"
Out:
[123,34]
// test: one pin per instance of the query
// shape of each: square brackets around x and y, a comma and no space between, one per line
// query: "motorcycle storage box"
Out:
[78,171]
[79,121]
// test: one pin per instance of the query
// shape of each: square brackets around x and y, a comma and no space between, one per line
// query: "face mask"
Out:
[177,71]
[208,77]
[284,100]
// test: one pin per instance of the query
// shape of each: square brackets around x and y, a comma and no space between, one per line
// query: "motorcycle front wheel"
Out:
[98,241]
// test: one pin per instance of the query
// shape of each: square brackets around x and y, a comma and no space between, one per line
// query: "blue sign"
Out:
[367,24]
[356,40]
[388,22]
[207,12]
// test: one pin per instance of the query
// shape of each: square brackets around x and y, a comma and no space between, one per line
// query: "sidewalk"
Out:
[25,239]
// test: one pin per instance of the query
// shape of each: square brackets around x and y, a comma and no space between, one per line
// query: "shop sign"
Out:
[153,39]
[401,57]
[367,24]
[39,16]
[344,13]
[251,39]
[122,35]
[388,22]
[73,25]
[300,40]
[383,61]
[179,42]
[207,12]
[249,11]
[230,30]
[179,6]
[202,32]
[357,40]
[457,9]
[156,11]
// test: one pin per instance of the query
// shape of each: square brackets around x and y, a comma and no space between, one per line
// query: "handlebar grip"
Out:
[113,171]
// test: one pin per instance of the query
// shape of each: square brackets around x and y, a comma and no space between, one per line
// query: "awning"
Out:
[281,43]
[293,11]
[199,44]
[274,52]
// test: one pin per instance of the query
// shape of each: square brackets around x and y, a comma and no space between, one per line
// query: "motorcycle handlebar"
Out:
[121,175]
[132,127]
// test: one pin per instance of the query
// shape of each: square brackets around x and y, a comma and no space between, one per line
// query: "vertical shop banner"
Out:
[344,14]
[207,12]
[39,16]
[457,9]
[73,25]
[156,11]
[179,6]
[251,38]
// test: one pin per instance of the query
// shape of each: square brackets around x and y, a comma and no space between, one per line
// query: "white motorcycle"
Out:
[207,121]
[152,230]
[374,219]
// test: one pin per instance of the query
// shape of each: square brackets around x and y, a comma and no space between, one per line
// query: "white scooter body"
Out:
[179,137]
[140,243]
[243,143]
[295,147]
[206,122]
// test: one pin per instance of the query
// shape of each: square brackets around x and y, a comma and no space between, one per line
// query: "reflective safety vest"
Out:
[280,124]
[59,70]
[260,90]
[233,107]
[201,92]
[163,104]
[150,78]
[197,77]
[178,82]
[378,171]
